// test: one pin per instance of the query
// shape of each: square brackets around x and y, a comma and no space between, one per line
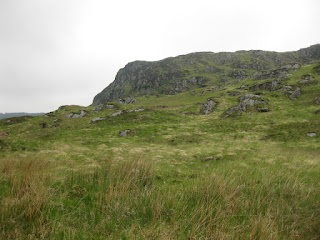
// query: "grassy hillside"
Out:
[183,73]
[177,175]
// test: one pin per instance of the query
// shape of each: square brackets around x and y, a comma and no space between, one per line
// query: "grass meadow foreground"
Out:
[177,175]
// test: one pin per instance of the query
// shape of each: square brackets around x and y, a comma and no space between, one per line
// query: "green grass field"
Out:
[177,175]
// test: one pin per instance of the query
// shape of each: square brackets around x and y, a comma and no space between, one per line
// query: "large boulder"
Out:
[248,101]
[208,106]
[81,114]
[292,94]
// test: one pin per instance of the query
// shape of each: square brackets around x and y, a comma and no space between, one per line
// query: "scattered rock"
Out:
[311,134]
[101,106]
[44,125]
[82,113]
[304,81]
[213,69]
[307,77]
[317,100]
[218,157]
[234,93]
[57,120]
[317,112]
[97,119]
[243,86]
[127,100]
[124,133]
[116,114]
[208,106]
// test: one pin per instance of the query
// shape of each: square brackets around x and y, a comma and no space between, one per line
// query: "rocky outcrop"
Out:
[278,73]
[101,107]
[246,102]
[291,91]
[184,73]
[269,86]
[237,74]
[81,113]
[127,100]
[208,107]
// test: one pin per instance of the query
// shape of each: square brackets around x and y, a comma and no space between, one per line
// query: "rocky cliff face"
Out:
[186,72]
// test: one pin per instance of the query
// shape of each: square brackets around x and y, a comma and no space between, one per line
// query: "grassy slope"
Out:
[83,181]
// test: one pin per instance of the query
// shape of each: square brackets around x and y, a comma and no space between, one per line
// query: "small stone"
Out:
[116,114]
[97,119]
[124,133]
[311,134]
[207,159]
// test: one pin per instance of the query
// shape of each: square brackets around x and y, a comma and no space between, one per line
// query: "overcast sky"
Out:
[59,52]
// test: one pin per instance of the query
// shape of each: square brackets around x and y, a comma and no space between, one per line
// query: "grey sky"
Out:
[58,52]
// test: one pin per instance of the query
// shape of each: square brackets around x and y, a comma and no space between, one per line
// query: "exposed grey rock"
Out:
[317,112]
[99,108]
[237,74]
[116,114]
[97,119]
[208,106]
[234,93]
[276,73]
[139,110]
[286,88]
[292,94]
[213,69]
[247,101]
[295,94]
[243,86]
[317,100]
[81,114]
[304,81]
[307,77]
[311,134]
[127,100]
[124,133]
[224,79]
[269,86]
